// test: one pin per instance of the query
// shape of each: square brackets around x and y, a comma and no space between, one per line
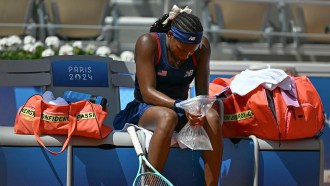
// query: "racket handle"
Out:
[135,140]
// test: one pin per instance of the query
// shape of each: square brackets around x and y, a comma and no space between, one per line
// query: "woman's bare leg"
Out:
[213,159]
[165,121]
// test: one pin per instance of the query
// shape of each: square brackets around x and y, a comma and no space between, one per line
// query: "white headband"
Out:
[176,11]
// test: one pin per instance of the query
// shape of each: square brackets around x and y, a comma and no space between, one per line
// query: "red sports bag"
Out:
[265,114]
[81,118]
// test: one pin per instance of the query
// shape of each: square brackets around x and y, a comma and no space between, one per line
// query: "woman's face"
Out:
[180,51]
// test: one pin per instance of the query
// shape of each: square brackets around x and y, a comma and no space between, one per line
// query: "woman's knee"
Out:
[212,114]
[166,121]
[213,117]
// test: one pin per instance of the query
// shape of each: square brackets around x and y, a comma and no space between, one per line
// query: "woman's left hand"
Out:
[195,119]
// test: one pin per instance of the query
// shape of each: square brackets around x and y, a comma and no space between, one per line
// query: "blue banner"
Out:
[80,73]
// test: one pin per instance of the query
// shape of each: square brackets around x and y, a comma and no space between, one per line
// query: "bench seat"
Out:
[115,138]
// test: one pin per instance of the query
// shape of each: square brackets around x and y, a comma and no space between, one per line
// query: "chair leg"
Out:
[256,159]
[321,161]
[69,166]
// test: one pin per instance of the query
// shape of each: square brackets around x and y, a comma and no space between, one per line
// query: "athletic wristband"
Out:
[178,109]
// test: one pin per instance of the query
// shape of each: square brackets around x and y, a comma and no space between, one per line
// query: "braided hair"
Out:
[183,21]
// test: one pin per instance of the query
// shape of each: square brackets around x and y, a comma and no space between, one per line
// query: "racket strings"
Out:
[150,180]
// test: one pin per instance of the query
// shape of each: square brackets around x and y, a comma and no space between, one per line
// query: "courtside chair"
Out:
[16,18]
[242,20]
[77,19]
[311,144]
[312,18]
[132,19]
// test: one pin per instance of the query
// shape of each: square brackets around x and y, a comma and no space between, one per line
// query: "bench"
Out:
[40,73]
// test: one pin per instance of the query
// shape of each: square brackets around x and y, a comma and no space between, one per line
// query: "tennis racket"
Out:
[151,177]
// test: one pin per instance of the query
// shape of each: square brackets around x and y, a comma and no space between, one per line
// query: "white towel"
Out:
[58,101]
[248,80]
[49,98]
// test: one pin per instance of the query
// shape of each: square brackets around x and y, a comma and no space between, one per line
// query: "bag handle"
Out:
[36,125]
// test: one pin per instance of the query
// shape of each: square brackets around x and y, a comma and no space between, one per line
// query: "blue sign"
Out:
[80,73]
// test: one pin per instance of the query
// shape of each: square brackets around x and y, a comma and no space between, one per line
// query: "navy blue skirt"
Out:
[131,114]
[134,111]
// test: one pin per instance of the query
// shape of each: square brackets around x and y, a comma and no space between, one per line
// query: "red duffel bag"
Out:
[81,118]
[265,113]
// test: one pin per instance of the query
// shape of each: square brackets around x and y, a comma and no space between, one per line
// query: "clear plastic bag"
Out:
[195,137]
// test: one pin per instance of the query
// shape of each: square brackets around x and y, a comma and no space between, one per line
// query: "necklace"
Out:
[169,53]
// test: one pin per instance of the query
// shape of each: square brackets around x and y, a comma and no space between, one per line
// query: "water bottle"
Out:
[72,96]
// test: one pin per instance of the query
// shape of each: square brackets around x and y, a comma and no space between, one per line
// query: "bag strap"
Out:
[36,126]
[75,107]
[96,119]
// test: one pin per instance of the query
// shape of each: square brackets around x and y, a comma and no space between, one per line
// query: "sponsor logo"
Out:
[28,114]
[27,118]
[238,116]
[189,73]
[192,38]
[86,115]
[53,118]
[162,73]
[27,111]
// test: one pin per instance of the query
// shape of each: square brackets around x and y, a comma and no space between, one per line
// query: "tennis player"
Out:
[168,59]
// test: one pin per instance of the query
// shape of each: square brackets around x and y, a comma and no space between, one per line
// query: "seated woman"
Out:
[168,59]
